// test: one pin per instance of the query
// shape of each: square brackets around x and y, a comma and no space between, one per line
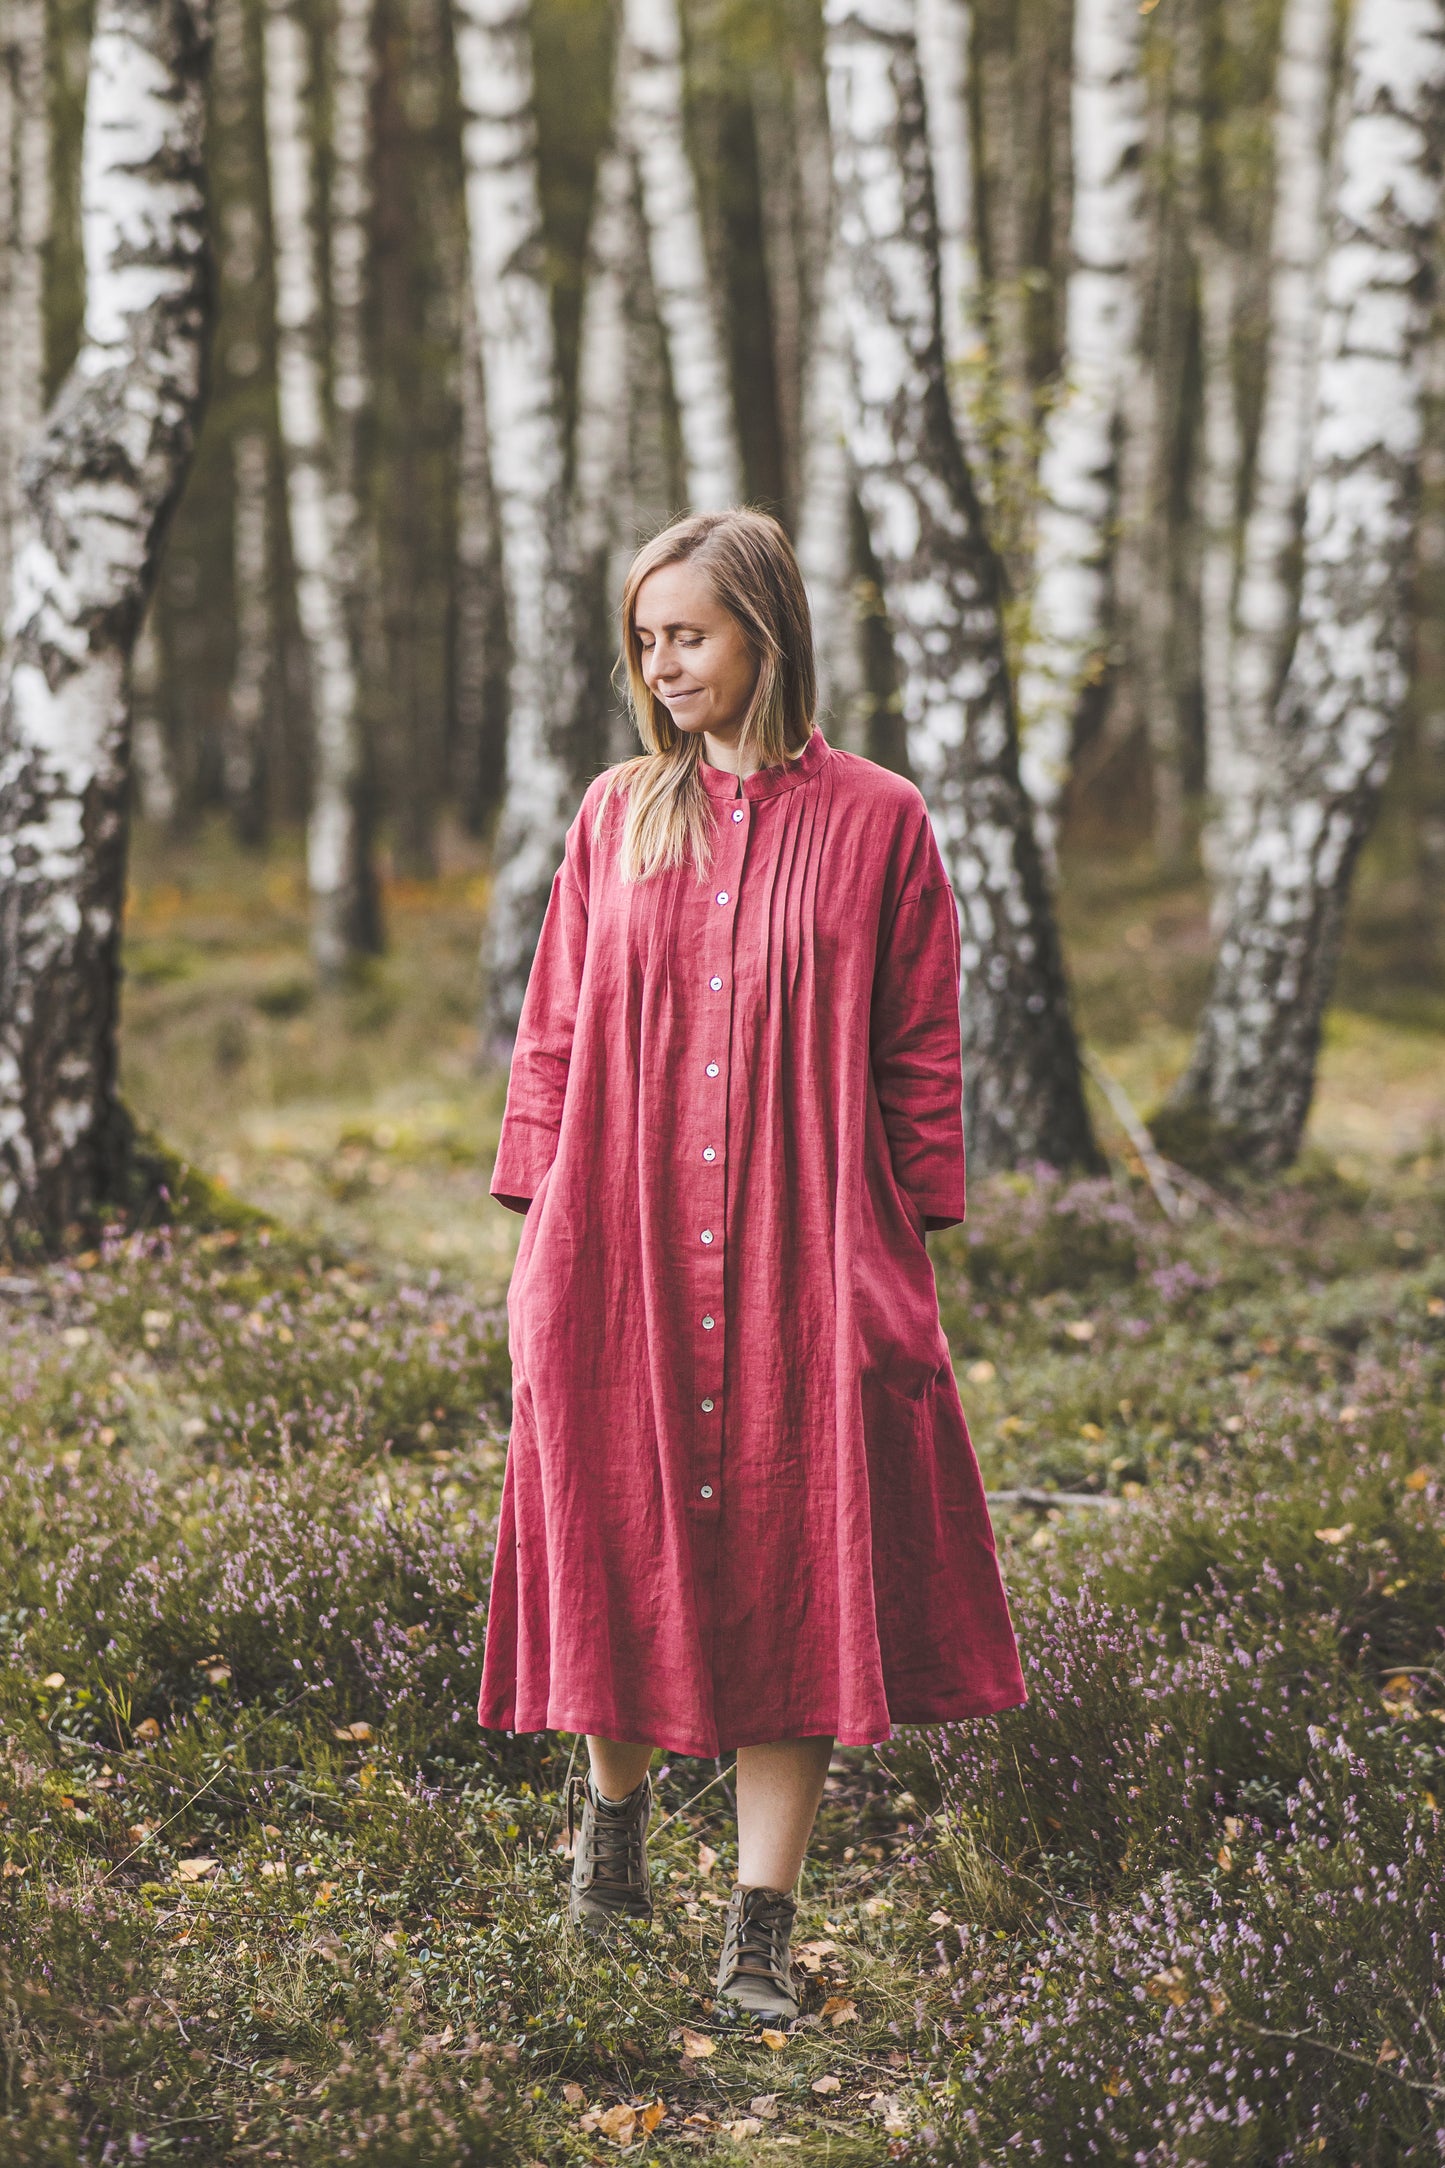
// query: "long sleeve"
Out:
[542,1056]
[917,1051]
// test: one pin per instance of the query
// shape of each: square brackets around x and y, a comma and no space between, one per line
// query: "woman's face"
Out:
[694,657]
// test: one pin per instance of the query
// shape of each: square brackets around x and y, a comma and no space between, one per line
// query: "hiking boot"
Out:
[609,1865]
[753,1970]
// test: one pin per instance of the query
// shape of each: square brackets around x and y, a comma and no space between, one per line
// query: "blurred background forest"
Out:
[686,192]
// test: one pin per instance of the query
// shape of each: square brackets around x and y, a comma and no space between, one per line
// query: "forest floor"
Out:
[267,1894]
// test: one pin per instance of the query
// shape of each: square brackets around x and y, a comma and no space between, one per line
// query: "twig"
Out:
[718,1779]
[1344,2055]
[1055,1498]
[1156,1173]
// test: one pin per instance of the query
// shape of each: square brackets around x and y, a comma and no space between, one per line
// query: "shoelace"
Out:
[614,1852]
[759,1936]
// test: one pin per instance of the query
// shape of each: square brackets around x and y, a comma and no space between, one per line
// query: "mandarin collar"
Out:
[767,782]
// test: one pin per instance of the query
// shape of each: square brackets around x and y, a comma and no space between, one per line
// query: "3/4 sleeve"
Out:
[537,1084]
[916,1048]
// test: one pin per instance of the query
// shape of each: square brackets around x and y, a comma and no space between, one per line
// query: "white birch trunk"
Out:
[150,752]
[1337,718]
[479,652]
[1218,510]
[825,513]
[1265,595]
[25,207]
[242,752]
[945,40]
[336,854]
[352,72]
[98,486]
[941,583]
[504,222]
[1078,470]
[652,114]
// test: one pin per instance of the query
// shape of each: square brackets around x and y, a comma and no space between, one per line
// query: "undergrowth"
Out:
[267,1893]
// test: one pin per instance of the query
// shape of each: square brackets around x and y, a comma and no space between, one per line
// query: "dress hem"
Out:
[806,1728]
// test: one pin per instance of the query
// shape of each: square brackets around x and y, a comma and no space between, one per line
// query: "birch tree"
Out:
[528,468]
[945,37]
[1023,1096]
[1078,470]
[321,516]
[24,229]
[650,90]
[1335,723]
[98,484]
[1265,595]
[479,633]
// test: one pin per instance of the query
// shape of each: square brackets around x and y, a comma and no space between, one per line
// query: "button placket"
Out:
[707,1177]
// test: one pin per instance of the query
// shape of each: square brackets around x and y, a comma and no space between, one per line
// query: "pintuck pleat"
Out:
[740,1502]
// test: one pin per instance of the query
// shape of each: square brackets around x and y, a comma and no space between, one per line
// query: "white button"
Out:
[737,815]
[716,985]
[708,1323]
[707,1234]
[707,1490]
[722,895]
[708,1153]
[712,1068]
[707,1407]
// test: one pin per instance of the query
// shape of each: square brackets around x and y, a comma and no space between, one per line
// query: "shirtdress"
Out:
[740,1501]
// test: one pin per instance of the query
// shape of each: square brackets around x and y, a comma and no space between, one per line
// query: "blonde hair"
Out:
[754,575]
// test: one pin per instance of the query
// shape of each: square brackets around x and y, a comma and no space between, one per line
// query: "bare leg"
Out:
[617,1769]
[779,1787]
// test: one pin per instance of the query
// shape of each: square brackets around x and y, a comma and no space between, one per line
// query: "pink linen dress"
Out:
[740,1501]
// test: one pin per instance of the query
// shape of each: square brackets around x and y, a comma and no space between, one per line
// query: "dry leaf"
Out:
[876,1906]
[1389,2053]
[219,1675]
[1080,1328]
[828,2084]
[618,2124]
[706,1860]
[652,2115]
[1335,1535]
[359,1732]
[746,2126]
[841,2009]
[1171,1986]
[764,2105]
[1417,1479]
[697,2045]
[196,1870]
[12,1870]
[939,1919]
[148,1728]
[777,2041]
[574,2095]
[1225,1857]
[980,1373]
[53,1681]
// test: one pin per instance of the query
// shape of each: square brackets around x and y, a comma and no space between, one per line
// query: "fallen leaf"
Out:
[1171,1986]
[777,2041]
[1225,1857]
[697,2045]
[1335,1535]
[1389,2053]
[980,1373]
[574,2095]
[828,2084]
[219,1675]
[652,2115]
[876,1906]
[1417,1479]
[939,1919]
[841,2009]
[745,2126]
[359,1732]
[148,1728]
[706,1859]
[1080,1328]
[196,1870]
[53,1681]
[618,2124]
[764,2105]
[12,1870]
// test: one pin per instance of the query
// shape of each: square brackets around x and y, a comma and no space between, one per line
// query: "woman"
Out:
[741,1509]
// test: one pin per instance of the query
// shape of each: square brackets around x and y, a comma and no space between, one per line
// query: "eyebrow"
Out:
[682,624]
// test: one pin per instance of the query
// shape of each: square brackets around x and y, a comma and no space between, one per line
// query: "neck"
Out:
[727,753]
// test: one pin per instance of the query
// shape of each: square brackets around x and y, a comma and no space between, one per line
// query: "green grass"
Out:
[266,1892]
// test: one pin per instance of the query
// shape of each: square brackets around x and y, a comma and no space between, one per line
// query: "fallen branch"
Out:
[1054,1498]
[1176,1190]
